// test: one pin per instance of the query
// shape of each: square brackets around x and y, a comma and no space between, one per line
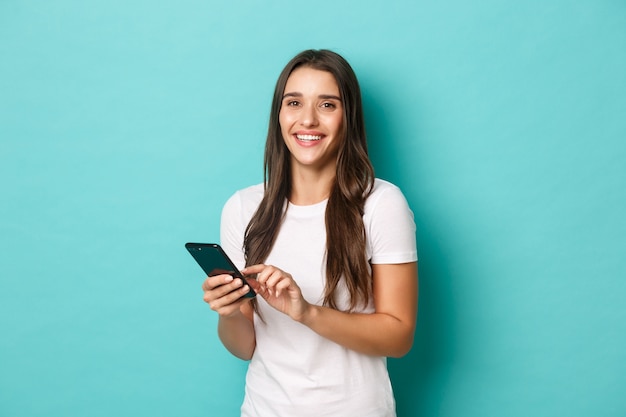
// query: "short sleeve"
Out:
[232,229]
[390,226]
[236,214]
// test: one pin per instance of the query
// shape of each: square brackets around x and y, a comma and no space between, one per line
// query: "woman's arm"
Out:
[235,327]
[389,330]
[386,332]
[237,333]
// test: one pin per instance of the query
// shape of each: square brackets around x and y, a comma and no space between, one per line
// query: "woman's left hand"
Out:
[280,290]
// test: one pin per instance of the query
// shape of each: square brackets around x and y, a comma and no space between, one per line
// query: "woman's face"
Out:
[311,118]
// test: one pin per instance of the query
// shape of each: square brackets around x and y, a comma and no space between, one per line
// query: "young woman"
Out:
[334,253]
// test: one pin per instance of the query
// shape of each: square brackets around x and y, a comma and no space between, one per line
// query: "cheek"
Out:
[284,127]
[337,124]
[284,121]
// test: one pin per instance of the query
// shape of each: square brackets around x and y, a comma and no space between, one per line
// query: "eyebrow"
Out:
[322,96]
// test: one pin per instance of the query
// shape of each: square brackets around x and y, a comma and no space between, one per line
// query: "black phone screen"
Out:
[214,261]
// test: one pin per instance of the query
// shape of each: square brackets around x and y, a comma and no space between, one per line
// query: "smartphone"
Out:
[214,261]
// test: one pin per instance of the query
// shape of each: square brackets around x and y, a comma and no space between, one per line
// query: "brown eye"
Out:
[328,106]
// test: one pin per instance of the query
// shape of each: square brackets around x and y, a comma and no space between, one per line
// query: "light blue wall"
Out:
[124,126]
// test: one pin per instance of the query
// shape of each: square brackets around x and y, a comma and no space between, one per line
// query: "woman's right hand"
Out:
[235,328]
[225,294]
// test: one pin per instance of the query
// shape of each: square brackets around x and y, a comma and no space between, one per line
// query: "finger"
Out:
[263,292]
[222,290]
[277,276]
[253,283]
[215,281]
[253,269]
[271,280]
[229,299]
[282,286]
[231,308]
[268,276]
[261,276]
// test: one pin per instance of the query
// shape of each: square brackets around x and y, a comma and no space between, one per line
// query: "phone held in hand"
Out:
[214,261]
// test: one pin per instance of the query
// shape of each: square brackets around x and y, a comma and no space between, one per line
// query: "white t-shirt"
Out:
[294,371]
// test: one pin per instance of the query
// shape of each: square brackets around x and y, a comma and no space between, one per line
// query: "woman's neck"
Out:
[310,187]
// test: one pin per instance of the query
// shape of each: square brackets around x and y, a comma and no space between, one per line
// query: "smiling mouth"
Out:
[308,138]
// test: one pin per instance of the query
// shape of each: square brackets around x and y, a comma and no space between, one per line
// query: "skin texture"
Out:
[312,109]
[311,106]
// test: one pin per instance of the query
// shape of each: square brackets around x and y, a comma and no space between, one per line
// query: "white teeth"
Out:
[308,137]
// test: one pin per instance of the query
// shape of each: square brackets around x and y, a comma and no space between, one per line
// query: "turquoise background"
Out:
[125,125]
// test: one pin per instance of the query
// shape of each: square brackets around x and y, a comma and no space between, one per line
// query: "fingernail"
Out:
[228,279]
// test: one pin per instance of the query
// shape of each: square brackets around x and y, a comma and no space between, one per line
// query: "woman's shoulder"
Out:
[382,187]
[380,184]
[253,191]
[246,198]
[384,193]
[389,225]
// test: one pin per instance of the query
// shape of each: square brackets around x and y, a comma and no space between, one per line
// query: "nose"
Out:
[308,116]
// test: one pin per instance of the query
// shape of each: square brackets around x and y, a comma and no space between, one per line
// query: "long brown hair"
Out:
[345,232]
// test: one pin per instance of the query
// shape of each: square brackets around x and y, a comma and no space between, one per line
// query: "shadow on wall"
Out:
[419,378]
